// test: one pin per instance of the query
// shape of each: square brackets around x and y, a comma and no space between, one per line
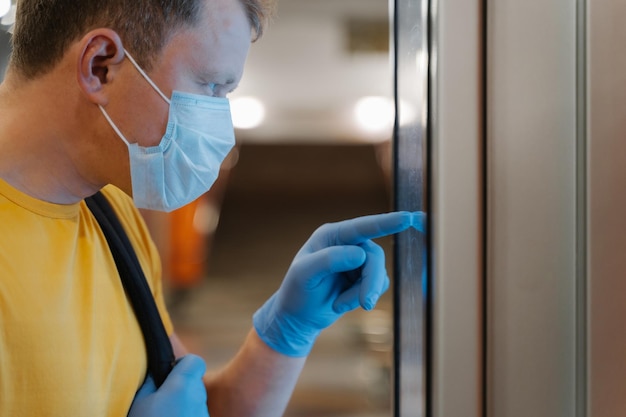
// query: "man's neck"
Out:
[36,157]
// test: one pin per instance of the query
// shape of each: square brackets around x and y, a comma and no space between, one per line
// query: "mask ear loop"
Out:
[115,128]
[144,75]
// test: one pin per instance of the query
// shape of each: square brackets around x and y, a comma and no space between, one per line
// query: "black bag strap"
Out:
[159,349]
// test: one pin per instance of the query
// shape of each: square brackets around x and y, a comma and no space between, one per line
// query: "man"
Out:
[128,97]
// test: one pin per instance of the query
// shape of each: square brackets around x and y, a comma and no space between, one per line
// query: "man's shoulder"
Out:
[122,203]
[117,196]
[127,212]
[134,224]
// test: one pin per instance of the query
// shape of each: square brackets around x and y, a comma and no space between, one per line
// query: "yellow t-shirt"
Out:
[70,345]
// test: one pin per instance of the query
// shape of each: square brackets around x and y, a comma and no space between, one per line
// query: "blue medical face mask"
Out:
[187,161]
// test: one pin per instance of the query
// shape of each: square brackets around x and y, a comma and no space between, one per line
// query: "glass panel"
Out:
[411,304]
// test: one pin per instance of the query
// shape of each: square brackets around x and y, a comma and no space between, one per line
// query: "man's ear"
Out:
[100,53]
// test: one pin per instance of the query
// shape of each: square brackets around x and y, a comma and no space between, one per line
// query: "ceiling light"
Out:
[5,6]
[9,17]
[374,114]
[247,112]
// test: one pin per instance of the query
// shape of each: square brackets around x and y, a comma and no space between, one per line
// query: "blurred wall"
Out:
[5,49]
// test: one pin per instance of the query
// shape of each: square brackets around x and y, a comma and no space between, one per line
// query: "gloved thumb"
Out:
[148,387]
[188,368]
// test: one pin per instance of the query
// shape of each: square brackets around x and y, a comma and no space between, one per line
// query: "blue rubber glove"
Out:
[182,394]
[337,269]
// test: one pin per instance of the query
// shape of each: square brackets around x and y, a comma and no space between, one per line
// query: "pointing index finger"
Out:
[355,231]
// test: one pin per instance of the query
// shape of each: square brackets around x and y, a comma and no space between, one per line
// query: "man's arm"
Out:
[337,270]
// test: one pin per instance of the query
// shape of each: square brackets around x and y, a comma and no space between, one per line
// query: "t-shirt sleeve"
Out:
[145,247]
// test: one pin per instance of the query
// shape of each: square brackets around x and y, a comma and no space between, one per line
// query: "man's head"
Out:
[71,61]
[45,28]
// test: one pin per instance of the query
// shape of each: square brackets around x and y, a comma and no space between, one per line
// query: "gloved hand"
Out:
[182,394]
[337,269]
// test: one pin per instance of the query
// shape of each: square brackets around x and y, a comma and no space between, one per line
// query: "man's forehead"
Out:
[215,49]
